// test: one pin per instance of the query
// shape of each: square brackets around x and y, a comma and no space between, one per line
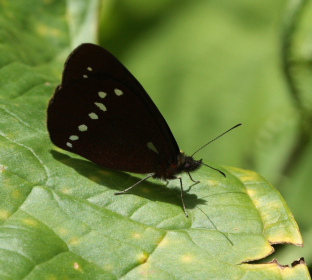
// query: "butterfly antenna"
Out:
[217,138]
[221,172]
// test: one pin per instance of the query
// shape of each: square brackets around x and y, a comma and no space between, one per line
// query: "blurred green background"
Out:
[209,65]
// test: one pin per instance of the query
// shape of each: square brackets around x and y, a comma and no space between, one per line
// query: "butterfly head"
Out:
[188,163]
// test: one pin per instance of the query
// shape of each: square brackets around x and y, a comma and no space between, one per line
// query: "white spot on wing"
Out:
[82,127]
[85,76]
[118,92]
[73,137]
[102,94]
[93,116]
[89,69]
[68,144]
[101,106]
[151,146]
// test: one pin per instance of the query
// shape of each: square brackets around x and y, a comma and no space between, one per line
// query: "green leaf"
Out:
[54,203]
[59,216]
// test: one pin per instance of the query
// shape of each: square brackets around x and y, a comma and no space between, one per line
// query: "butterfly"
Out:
[102,113]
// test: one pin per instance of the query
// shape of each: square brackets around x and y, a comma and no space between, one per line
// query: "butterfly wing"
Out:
[101,112]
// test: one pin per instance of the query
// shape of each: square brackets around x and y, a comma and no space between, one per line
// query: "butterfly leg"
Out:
[192,178]
[131,187]
[182,198]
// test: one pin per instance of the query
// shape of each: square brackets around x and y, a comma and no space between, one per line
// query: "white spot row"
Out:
[92,115]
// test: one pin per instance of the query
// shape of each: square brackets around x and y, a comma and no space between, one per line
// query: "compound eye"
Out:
[187,166]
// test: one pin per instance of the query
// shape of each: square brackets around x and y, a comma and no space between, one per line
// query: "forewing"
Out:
[102,113]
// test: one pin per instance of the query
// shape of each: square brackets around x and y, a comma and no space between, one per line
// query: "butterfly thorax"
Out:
[184,163]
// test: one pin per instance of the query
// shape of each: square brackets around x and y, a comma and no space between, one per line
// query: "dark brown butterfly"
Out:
[101,112]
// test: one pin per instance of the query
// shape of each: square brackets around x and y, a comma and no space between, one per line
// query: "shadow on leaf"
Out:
[118,181]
